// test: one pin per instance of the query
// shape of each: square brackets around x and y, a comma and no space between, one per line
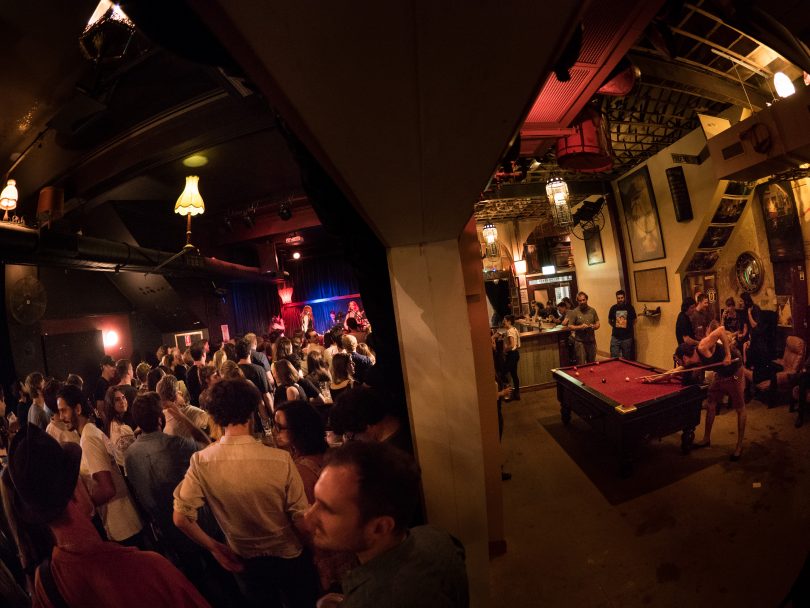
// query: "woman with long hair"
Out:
[342,375]
[230,370]
[306,322]
[299,429]
[286,378]
[116,422]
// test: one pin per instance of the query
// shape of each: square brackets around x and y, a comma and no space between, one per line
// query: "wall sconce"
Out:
[490,233]
[520,267]
[8,198]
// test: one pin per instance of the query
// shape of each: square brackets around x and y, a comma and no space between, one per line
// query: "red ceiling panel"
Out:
[610,28]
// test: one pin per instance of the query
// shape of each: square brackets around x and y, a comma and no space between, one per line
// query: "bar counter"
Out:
[541,350]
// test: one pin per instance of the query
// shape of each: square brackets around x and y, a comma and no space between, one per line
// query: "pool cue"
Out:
[683,370]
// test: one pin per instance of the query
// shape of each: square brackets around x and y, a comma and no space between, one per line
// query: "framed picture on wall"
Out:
[784,311]
[651,285]
[641,216]
[716,237]
[781,221]
[593,247]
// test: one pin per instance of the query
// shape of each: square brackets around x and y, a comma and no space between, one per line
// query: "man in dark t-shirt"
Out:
[622,318]
[255,373]
[716,349]
[107,375]
[684,332]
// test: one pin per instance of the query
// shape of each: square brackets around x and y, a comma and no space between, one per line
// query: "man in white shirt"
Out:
[256,495]
[98,470]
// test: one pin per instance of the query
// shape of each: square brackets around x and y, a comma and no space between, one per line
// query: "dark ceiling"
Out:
[116,131]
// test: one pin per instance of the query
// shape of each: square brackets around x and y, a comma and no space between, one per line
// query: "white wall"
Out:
[599,281]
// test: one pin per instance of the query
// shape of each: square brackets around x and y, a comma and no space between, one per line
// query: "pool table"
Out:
[628,411]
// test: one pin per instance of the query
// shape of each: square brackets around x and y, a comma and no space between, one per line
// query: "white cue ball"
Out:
[627,379]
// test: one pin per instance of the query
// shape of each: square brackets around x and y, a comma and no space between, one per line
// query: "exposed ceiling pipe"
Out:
[26,246]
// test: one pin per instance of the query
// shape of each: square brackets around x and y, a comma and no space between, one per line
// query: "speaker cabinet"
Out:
[680,194]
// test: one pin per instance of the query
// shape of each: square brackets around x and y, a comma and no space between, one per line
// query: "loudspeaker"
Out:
[680,194]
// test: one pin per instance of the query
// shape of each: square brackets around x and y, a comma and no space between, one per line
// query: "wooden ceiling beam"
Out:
[707,86]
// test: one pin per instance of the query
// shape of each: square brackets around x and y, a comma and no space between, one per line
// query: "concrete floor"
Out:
[694,530]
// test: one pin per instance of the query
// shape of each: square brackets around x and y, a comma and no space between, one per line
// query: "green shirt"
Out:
[579,317]
[426,570]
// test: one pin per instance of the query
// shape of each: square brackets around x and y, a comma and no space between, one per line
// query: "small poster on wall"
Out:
[784,311]
[226,334]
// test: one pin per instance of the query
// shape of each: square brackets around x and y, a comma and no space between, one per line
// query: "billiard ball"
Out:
[591,370]
[575,368]
[597,362]
[627,379]
[604,381]
[577,374]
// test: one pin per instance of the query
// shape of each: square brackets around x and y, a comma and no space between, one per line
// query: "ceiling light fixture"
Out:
[783,85]
[490,233]
[557,192]
[296,255]
[8,198]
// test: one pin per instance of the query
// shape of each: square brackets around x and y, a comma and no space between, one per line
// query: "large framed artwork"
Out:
[781,221]
[641,216]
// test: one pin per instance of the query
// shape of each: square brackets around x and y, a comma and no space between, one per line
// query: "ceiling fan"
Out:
[588,217]
[28,300]
[189,203]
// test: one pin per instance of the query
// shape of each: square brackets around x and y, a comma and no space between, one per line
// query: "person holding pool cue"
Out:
[715,348]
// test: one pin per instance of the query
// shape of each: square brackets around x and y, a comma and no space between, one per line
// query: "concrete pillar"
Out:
[440,374]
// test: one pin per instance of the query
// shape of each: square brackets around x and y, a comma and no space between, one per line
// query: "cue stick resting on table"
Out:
[680,370]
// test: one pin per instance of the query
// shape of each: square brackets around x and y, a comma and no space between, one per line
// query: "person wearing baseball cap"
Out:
[83,569]
[107,375]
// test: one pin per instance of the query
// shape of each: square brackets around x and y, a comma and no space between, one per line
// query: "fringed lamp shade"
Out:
[190,202]
[520,266]
[286,294]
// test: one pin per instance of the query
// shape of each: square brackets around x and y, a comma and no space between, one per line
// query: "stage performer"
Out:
[307,322]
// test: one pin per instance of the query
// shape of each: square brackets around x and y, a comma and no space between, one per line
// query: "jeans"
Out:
[272,582]
[621,348]
[510,367]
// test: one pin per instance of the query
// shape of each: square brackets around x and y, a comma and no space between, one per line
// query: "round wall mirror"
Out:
[749,271]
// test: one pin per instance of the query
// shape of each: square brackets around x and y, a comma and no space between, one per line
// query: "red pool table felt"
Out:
[614,371]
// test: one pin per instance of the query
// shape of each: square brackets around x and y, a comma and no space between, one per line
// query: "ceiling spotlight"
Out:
[783,85]
[227,225]
[296,255]
[285,210]
[248,220]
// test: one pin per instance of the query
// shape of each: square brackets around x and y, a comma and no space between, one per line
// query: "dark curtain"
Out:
[364,252]
[314,279]
[7,372]
[253,306]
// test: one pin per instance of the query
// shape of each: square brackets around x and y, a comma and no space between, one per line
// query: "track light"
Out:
[248,220]
[285,210]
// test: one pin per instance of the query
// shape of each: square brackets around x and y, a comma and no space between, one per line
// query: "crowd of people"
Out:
[265,471]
